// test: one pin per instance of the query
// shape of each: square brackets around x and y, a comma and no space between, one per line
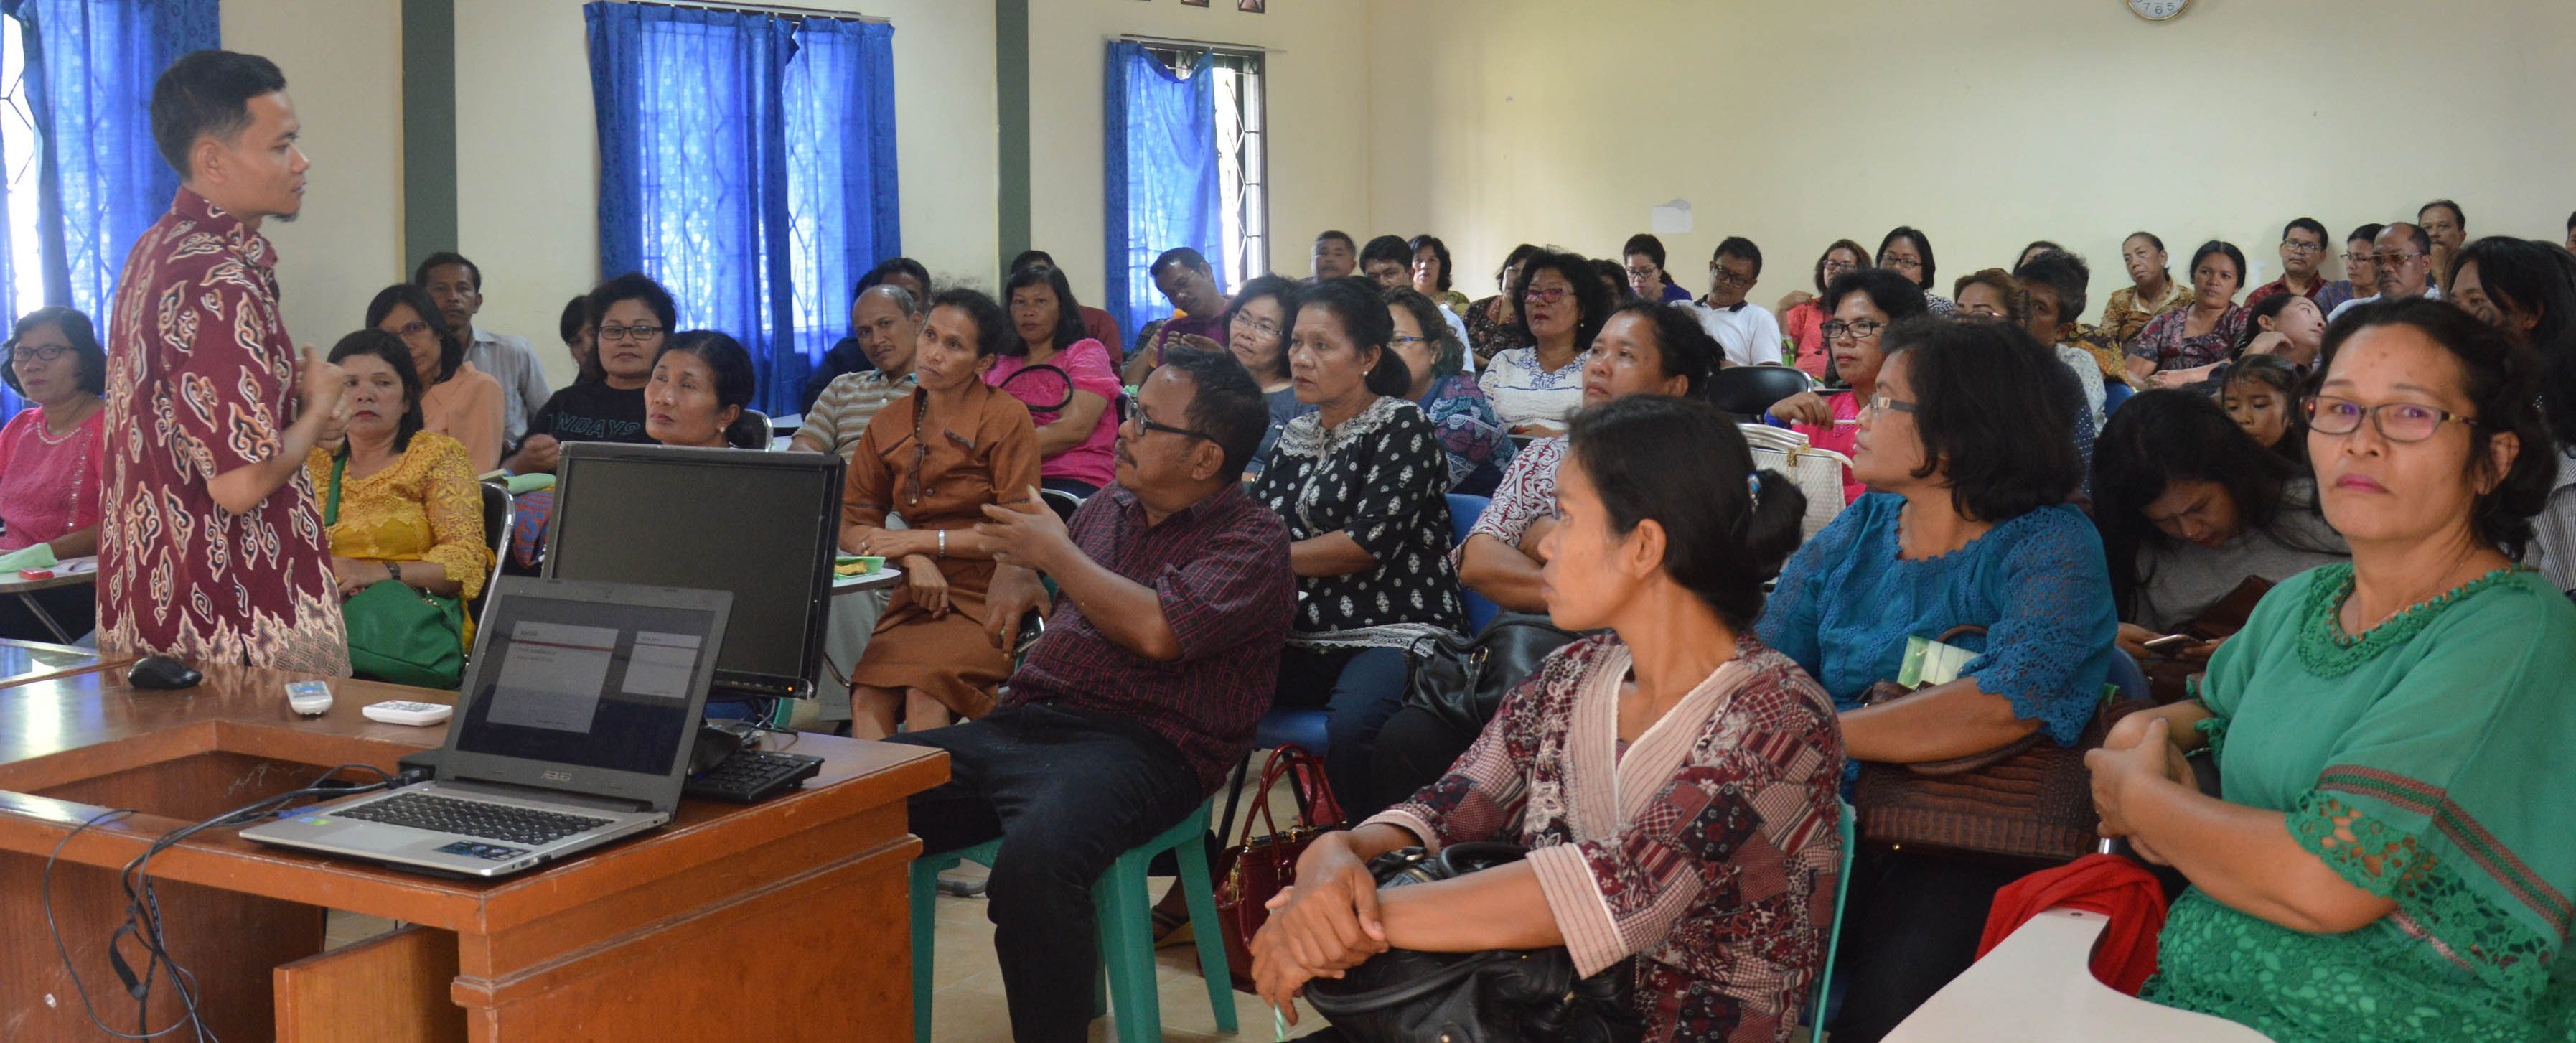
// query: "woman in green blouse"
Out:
[2391,857]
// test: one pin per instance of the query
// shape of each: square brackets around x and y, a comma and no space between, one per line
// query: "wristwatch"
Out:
[394,569]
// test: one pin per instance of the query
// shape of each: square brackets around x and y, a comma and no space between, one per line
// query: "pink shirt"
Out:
[1092,459]
[49,486]
[1805,325]
[1839,438]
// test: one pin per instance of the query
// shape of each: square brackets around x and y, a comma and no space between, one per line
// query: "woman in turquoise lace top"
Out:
[2389,858]
[1965,441]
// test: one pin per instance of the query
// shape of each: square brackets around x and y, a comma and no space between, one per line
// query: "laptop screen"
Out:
[600,685]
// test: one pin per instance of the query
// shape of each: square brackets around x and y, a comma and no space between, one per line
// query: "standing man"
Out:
[212,547]
[2303,245]
[1335,256]
[2448,228]
[1749,334]
[456,285]
[2402,262]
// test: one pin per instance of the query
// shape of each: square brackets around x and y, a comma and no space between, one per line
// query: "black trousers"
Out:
[1068,792]
[1414,749]
[1910,924]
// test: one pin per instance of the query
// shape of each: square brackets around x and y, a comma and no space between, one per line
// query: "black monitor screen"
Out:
[762,525]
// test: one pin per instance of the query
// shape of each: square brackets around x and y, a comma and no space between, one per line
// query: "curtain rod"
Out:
[780,9]
[1219,48]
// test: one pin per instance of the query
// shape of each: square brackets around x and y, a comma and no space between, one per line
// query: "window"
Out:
[1242,140]
[25,264]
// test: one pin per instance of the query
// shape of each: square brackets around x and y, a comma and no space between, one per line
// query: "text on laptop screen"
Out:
[598,685]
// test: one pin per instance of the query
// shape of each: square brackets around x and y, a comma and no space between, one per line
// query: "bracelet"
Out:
[394,569]
[943,543]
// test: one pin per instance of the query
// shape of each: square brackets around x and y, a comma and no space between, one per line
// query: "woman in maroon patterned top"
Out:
[1675,783]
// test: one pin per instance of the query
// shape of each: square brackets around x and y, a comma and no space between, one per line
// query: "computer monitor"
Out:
[763,525]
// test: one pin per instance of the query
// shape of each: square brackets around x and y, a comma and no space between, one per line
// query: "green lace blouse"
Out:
[2444,742]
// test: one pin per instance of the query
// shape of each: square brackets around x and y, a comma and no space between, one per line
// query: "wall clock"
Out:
[2157,10]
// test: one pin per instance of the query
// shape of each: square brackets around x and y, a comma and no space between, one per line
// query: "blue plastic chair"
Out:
[1822,1011]
[2128,676]
[1463,512]
[2114,392]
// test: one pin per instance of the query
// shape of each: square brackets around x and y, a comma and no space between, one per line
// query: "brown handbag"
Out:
[2028,799]
[2169,678]
[1250,873]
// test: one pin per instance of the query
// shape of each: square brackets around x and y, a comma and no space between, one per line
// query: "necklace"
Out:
[43,430]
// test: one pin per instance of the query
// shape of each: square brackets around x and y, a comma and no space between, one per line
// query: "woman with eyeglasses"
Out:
[457,400]
[1862,304]
[1473,437]
[2182,346]
[2388,856]
[1490,321]
[630,316]
[1641,260]
[1563,302]
[52,459]
[1803,315]
[1257,336]
[1908,252]
[1963,446]
[936,458]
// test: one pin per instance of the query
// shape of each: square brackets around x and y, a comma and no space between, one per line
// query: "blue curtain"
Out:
[1161,177]
[747,163]
[90,69]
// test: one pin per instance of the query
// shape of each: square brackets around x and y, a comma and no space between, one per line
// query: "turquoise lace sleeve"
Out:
[2213,732]
[2434,905]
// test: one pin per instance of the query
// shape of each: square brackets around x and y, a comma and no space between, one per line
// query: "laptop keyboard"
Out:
[474,818]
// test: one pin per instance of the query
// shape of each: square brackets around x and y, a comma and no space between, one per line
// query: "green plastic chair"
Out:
[1125,912]
[1834,939]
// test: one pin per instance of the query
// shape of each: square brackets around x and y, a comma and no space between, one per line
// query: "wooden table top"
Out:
[59,732]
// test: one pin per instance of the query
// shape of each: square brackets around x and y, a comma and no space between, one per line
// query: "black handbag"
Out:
[1462,680]
[1495,996]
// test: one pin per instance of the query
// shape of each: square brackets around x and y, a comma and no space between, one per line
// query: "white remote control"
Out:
[404,711]
[308,698]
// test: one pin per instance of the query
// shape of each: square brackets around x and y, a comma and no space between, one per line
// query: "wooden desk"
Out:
[27,662]
[782,921]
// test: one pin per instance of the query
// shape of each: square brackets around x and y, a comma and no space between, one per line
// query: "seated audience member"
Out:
[1198,310]
[1990,293]
[1158,659]
[2527,288]
[1075,439]
[630,314]
[1097,323]
[2303,247]
[937,460]
[1562,304]
[2359,279]
[1614,281]
[2031,252]
[2180,347]
[2401,265]
[2571,232]
[578,339]
[1863,304]
[1336,256]
[1491,322]
[848,355]
[460,401]
[2261,393]
[1257,336]
[701,387]
[1361,484]
[1642,268]
[1749,334]
[2055,282]
[399,501]
[2449,229]
[456,284]
[889,329]
[2286,326]
[2386,857]
[53,455]
[1964,450]
[2189,508]
[1473,437]
[1908,252]
[2151,292]
[1432,275]
[1716,874]
[1803,316]
[1387,261]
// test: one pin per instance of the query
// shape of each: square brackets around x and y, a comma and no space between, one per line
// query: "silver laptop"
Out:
[573,729]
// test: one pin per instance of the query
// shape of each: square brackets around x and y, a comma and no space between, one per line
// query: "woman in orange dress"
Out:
[936,458]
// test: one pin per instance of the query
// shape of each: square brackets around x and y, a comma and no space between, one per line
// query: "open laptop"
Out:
[573,728]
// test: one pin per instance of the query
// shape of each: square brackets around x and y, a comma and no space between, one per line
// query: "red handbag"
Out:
[1251,873]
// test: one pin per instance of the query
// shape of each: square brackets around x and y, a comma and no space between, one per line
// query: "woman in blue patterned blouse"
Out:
[1478,447]
[1964,449]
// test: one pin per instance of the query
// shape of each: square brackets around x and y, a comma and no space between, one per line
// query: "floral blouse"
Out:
[1524,393]
[2163,340]
[1478,446]
[2124,316]
[1485,337]
[1381,477]
[1707,849]
[425,507]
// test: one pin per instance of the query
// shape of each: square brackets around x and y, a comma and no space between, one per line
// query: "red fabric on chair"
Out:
[2108,884]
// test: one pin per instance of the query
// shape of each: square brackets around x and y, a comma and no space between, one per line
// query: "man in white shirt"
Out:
[2403,262]
[1749,334]
[456,284]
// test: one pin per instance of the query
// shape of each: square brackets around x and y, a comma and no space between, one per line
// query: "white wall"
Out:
[1987,125]
[342,60]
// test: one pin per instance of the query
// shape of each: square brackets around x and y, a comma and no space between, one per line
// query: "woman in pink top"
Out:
[1862,304]
[1075,442]
[51,458]
[1802,317]
[457,399]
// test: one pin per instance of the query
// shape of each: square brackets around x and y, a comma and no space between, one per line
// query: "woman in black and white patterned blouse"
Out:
[1362,483]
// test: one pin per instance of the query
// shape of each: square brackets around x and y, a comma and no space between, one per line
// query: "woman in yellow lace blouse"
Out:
[408,511]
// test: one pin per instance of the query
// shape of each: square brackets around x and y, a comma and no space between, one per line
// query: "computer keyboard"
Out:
[474,818]
[751,776]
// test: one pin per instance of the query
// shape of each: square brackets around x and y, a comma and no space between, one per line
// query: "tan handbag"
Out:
[2027,799]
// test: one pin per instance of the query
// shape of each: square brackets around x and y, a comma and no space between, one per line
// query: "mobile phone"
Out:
[2171,641]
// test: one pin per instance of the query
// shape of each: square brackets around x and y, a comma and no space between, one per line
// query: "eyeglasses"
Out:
[1400,340]
[1833,267]
[2352,258]
[1644,273]
[1549,295]
[1723,277]
[634,333]
[1263,327]
[2297,247]
[2397,421]
[1880,403]
[1147,424]
[2394,258]
[413,328]
[1862,330]
[39,352]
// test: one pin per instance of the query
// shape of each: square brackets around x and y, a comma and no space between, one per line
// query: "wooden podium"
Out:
[781,921]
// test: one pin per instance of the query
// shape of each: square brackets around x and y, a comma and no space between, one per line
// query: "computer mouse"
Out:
[714,745]
[160,672]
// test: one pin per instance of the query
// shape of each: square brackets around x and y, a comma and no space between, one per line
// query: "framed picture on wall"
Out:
[1194,3]
[1252,6]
